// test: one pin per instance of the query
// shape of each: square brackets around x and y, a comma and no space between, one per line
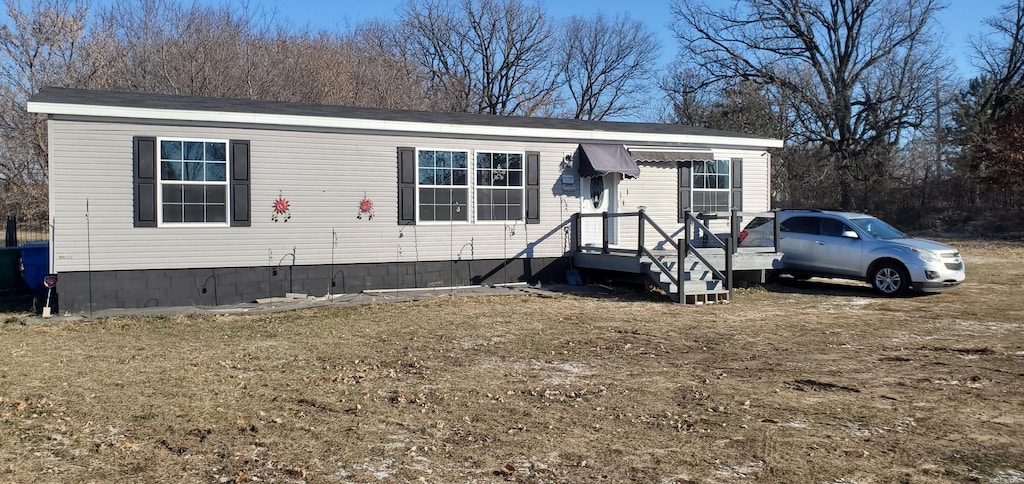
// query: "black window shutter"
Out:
[241,198]
[532,187]
[683,185]
[406,186]
[737,184]
[144,169]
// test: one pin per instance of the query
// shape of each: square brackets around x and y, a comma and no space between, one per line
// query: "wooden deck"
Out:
[632,263]
[700,285]
[710,265]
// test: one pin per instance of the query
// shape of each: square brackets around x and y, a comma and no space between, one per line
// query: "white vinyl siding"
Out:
[323,175]
[656,190]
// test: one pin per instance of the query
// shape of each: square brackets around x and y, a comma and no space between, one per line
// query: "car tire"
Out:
[890,279]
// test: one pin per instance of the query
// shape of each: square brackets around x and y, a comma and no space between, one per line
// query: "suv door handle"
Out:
[819,242]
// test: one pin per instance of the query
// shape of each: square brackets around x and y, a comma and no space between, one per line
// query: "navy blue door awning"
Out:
[602,159]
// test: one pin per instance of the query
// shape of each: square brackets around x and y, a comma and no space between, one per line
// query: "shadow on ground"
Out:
[17,302]
[827,287]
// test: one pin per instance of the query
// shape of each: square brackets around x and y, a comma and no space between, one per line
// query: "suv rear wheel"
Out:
[890,278]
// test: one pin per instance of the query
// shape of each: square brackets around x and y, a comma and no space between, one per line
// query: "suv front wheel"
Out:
[890,278]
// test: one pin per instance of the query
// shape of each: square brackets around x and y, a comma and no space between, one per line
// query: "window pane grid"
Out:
[499,192]
[499,204]
[443,204]
[711,185]
[443,168]
[193,181]
[444,179]
[499,169]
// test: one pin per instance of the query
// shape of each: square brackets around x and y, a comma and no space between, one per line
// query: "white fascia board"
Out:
[765,143]
[372,124]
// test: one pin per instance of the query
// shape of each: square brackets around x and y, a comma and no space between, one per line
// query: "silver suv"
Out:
[857,246]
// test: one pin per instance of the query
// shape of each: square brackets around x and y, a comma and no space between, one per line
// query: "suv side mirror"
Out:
[850,234]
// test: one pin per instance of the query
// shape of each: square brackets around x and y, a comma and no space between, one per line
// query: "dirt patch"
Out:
[801,382]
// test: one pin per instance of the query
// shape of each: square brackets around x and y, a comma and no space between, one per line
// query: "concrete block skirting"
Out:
[80,291]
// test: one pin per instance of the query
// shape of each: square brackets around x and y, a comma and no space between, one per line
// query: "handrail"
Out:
[664,235]
[661,265]
[728,252]
[737,217]
[704,230]
[683,247]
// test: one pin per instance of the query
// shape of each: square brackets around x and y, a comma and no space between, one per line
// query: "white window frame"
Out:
[693,183]
[161,182]
[470,208]
[521,188]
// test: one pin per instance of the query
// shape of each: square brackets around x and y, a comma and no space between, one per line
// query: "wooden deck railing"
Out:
[696,237]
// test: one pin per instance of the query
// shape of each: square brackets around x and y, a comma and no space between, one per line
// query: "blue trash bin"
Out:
[35,263]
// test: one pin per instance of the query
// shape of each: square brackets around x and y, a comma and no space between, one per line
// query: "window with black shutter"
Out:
[144,168]
[737,184]
[406,186]
[683,195]
[181,181]
[434,186]
[241,197]
[532,187]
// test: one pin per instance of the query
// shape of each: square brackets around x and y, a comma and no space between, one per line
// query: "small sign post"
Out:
[50,282]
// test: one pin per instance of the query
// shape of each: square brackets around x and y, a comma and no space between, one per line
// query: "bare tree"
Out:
[607,65]
[999,56]
[164,46]
[42,44]
[689,105]
[990,114]
[247,53]
[386,75]
[197,50]
[486,56]
[857,75]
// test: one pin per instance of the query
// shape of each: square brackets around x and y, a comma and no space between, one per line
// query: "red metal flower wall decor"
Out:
[282,210]
[365,208]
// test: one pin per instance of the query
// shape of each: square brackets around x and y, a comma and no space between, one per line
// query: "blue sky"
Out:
[962,19]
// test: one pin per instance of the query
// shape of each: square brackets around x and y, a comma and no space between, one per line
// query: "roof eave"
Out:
[104,111]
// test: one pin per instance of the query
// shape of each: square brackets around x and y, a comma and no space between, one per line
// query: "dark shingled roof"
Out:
[193,103]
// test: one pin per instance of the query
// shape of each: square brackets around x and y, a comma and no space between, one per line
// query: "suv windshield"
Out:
[877,228]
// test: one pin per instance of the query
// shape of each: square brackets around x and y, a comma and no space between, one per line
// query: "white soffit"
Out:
[381,125]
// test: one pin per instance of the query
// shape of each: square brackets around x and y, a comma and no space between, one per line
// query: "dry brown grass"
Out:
[812,382]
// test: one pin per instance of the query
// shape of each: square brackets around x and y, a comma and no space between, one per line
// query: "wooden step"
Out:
[699,284]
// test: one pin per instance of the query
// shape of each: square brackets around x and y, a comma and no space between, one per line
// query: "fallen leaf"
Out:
[855,452]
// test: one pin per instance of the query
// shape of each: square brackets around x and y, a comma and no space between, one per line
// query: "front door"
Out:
[598,195]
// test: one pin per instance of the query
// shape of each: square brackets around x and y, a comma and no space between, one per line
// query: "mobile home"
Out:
[159,200]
